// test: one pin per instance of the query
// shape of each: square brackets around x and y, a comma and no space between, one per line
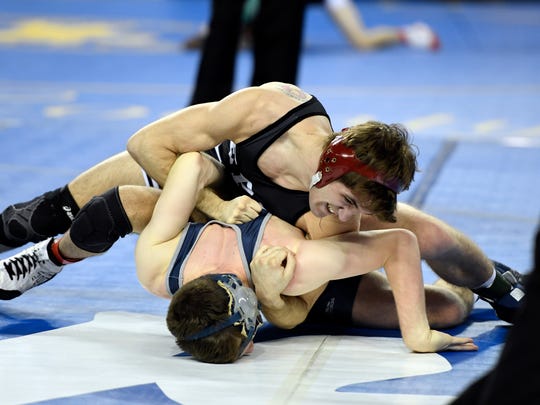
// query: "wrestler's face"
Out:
[335,199]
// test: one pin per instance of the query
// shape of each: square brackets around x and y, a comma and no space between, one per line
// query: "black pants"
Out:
[277,41]
[515,378]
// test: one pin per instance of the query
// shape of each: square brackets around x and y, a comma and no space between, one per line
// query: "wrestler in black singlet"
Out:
[240,161]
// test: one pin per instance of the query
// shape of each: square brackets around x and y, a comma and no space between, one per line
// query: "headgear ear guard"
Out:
[243,311]
[338,159]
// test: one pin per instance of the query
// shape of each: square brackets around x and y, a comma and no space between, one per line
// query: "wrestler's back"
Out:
[216,251]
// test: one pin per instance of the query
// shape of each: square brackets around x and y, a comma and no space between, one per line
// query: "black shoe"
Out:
[33,221]
[506,306]
[16,225]
[509,274]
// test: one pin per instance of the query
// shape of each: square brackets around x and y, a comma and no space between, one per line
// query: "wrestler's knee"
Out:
[374,304]
[100,223]
[453,315]
[447,308]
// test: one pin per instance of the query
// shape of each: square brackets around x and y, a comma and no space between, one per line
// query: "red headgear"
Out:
[338,159]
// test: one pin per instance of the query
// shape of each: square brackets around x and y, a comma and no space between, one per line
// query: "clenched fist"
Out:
[272,269]
[239,210]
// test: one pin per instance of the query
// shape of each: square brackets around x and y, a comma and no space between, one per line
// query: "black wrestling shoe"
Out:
[16,229]
[36,220]
[509,274]
[506,306]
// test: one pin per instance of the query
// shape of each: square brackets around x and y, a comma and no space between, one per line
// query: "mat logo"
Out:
[71,33]
[462,364]
[123,355]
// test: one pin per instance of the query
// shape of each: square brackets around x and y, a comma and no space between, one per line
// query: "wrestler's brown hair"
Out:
[196,305]
[387,149]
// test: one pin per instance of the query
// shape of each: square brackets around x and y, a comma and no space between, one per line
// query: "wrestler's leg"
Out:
[374,306]
[453,256]
[117,170]
[519,356]
[52,212]
[133,208]
[457,259]
[98,225]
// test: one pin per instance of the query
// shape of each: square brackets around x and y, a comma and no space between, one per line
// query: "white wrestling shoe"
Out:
[26,270]
[420,35]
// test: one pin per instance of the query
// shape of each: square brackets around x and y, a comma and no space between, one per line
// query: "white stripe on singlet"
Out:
[149,181]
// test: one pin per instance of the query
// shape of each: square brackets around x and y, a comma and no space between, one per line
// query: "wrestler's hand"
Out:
[272,268]
[438,341]
[239,210]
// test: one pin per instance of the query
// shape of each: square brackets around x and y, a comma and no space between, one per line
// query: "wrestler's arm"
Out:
[286,312]
[201,127]
[188,175]
[354,253]
[236,211]
[271,271]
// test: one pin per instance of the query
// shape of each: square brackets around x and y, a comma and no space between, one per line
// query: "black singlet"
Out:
[241,159]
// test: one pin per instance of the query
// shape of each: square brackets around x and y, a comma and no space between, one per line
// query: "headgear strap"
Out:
[338,159]
[243,310]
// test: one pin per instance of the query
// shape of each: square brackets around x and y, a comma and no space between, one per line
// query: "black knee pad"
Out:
[100,223]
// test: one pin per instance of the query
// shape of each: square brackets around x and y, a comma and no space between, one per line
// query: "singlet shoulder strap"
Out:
[266,136]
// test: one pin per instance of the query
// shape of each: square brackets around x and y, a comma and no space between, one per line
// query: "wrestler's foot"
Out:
[35,220]
[506,305]
[420,35]
[510,274]
[16,225]
[26,270]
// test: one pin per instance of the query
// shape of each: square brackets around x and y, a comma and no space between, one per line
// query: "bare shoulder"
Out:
[290,90]
[272,92]
[249,110]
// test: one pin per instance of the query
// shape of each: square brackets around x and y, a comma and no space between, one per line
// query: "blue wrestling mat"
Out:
[78,77]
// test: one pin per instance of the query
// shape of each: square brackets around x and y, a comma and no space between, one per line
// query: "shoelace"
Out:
[19,267]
